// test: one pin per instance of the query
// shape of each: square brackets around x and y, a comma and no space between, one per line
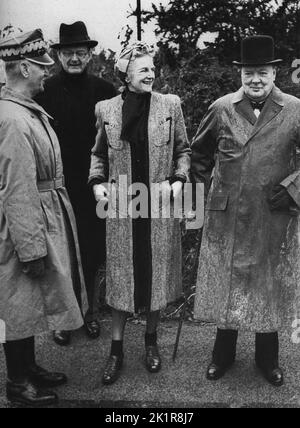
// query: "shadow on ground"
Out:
[180,385]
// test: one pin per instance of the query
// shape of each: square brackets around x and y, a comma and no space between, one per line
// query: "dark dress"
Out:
[71,101]
[136,111]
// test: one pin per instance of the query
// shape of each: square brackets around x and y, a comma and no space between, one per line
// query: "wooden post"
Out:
[139,19]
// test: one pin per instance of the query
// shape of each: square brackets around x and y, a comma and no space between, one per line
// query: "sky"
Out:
[104,18]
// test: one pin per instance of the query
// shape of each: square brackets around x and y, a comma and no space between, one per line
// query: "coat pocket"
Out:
[113,137]
[165,132]
[49,214]
[218,203]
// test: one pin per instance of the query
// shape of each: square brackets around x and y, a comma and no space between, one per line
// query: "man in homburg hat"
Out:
[39,251]
[70,97]
[245,152]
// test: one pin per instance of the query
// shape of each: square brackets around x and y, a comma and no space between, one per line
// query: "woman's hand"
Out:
[101,193]
[177,189]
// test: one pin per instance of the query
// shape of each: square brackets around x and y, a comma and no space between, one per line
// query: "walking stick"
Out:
[181,321]
[182,317]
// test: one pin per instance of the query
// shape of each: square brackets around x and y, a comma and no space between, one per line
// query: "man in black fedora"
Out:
[70,98]
[245,152]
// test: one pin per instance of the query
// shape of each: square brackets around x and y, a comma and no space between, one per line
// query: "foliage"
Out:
[182,23]
[9,29]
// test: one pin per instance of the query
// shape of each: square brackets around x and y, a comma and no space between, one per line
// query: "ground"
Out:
[180,384]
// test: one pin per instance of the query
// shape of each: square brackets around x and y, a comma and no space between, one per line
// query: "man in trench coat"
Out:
[39,251]
[70,98]
[250,260]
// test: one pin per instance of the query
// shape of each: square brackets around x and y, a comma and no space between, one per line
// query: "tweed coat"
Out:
[249,271]
[35,224]
[169,154]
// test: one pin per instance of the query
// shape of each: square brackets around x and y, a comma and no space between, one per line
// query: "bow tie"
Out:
[257,106]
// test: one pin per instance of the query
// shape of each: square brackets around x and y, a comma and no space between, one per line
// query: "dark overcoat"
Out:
[249,272]
[71,101]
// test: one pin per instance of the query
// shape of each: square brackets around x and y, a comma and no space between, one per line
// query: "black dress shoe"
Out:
[112,370]
[274,376]
[45,379]
[62,338]
[92,329]
[27,394]
[215,372]
[153,360]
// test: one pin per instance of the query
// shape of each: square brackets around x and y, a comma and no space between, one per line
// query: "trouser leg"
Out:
[267,350]
[19,356]
[92,245]
[224,352]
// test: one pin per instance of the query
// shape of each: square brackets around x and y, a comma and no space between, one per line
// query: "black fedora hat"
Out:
[74,34]
[258,50]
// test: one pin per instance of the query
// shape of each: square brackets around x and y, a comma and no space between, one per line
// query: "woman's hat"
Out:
[130,53]
[258,50]
[30,46]
[74,34]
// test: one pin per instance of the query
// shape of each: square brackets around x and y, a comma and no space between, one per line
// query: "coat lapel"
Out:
[243,107]
[15,97]
[155,119]
[113,121]
[272,108]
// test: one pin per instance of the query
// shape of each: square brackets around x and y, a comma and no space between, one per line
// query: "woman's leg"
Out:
[115,361]
[118,328]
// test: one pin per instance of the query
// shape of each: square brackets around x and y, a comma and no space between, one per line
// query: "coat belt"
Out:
[48,185]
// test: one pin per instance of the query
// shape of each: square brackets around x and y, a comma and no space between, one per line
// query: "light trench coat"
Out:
[35,222]
[249,271]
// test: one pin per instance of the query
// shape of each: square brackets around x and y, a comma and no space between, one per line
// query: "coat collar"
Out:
[276,96]
[9,94]
[243,106]
[272,108]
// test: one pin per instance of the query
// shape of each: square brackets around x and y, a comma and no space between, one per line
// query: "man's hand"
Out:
[280,199]
[101,193]
[35,269]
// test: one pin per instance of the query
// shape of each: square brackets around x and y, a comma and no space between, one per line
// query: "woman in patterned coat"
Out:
[142,139]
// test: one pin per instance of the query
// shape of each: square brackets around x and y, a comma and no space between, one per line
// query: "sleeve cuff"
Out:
[292,189]
[178,177]
[97,180]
